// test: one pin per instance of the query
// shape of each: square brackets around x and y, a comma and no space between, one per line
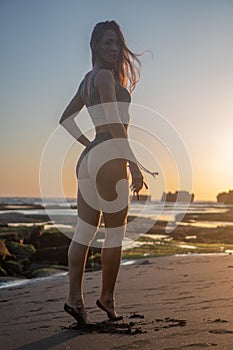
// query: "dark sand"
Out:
[187,303]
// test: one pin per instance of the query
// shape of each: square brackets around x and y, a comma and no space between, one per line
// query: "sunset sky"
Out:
[186,80]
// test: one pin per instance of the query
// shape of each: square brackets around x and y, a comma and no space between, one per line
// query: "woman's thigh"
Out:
[87,199]
[108,178]
[88,212]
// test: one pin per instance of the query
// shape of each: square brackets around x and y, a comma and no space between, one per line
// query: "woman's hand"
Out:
[137,178]
[136,184]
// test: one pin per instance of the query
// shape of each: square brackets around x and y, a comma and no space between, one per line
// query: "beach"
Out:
[177,302]
[160,172]
[174,288]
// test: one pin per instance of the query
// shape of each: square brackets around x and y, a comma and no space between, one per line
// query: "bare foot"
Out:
[109,307]
[77,310]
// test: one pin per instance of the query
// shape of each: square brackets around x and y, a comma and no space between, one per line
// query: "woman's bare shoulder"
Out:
[87,75]
[104,77]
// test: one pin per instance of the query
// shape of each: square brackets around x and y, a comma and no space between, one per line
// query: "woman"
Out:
[103,91]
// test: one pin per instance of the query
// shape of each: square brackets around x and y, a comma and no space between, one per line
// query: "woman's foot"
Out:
[109,308]
[78,312]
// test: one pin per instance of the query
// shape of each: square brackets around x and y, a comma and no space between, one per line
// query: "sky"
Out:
[184,94]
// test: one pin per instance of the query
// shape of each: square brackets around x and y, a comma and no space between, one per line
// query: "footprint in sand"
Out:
[217,320]
[220,331]
[193,346]
[136,315]
[53,299]
[169,322]
[36,310]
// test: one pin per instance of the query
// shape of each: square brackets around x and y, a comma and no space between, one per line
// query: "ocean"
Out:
[155,210]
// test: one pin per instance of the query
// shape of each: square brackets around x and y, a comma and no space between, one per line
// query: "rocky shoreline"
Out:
[33,251]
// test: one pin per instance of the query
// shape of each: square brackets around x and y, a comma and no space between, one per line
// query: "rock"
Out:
[25,262]
[3,250]
[13,267]
[43,272]
[226,198]
[144,262]
[9,235]
[33,235]
[37,266]
[21,250]
[54,238]
[23,234]
[222,197]
[54,255]
[180,196]
[2,272]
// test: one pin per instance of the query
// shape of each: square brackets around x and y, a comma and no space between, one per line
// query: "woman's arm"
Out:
[67,118]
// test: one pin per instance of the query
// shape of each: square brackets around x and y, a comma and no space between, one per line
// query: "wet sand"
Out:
[168,303]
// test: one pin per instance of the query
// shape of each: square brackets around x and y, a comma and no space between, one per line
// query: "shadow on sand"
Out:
[74,330]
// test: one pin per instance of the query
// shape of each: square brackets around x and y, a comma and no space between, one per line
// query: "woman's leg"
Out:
[77,256]
[88,222]
[111,258]
[115,224]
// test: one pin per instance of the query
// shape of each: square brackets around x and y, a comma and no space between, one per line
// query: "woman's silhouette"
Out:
[102,167]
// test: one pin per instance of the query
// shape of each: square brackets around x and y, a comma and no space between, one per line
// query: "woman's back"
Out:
[91,99]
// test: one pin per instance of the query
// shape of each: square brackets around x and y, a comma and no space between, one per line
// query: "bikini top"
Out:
[95,108]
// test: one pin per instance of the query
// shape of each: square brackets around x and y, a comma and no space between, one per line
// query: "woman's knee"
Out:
[84,232]
[114,236]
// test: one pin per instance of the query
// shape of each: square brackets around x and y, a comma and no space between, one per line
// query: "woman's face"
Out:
[108,50]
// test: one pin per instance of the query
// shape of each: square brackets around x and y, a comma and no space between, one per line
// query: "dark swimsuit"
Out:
[122,94]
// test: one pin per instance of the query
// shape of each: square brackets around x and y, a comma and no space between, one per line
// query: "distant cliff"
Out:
[225,198]
[180,196]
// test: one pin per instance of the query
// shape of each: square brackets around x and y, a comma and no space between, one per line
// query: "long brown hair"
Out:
[128,68]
